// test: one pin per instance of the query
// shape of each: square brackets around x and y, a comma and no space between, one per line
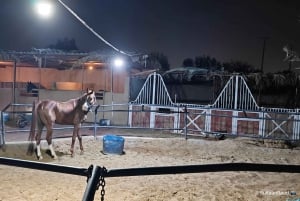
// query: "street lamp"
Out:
[44,9]
[117,63]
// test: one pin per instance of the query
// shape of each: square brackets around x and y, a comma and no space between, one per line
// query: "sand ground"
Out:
[27,184]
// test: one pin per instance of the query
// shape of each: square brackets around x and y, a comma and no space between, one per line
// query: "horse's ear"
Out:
[89,91]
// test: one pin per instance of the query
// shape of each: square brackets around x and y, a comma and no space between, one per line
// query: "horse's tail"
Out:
[32,130]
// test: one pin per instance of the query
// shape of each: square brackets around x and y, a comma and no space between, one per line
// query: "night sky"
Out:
[224,29]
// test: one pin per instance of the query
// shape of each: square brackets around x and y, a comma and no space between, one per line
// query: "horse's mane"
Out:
[81,99]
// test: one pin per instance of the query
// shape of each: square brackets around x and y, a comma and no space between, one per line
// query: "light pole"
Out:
[117,63]
[262,69]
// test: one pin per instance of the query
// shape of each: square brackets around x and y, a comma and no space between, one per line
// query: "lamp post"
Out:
[117,63]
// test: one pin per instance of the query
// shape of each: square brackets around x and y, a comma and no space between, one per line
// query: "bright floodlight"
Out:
[44,8]
[118,63]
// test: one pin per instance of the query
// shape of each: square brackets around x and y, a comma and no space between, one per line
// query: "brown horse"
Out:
[47,112]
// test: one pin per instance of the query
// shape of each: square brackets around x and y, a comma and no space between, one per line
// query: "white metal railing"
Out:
[154,92]
[236,95]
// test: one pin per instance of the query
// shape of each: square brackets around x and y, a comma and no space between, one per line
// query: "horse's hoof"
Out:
[40,158]
[82,152]
[54,157]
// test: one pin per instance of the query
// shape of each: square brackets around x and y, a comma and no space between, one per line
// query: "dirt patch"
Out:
[27,184]
[19,151]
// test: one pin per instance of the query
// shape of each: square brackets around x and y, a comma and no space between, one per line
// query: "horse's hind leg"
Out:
[38,142]
[49,140]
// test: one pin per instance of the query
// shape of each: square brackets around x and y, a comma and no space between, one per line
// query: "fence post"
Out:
[262,121]
[234,120]
[208,120]
[185,121]
[296,125]
[92,184]
[95,120]
[130,115]
[2,142]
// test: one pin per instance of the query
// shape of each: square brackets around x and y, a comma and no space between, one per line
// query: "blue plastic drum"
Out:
[5,117]
[113,144]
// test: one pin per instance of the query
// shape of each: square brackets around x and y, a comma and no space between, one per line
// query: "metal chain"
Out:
[101,180]
[102,183]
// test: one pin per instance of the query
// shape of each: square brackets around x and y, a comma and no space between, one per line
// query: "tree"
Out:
[238,67]
[207,62]
[158,60]
[65,44]
[188,62]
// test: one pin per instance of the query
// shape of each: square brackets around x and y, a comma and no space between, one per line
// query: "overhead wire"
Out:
[92,30]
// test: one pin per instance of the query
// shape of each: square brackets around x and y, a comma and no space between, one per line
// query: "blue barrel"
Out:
[113,144]
[104,122]
[5,117]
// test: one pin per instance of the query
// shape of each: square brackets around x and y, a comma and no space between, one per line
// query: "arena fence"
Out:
[234,112]
[96,175]
[186,120]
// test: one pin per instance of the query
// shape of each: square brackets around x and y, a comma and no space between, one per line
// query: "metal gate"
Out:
[234,112]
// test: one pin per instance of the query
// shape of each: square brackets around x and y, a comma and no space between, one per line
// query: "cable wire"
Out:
[91,29]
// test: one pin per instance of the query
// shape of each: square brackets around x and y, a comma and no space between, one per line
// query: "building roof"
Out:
[52,58]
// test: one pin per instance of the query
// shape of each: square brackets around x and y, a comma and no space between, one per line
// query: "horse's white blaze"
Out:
[85,107]
[53,154]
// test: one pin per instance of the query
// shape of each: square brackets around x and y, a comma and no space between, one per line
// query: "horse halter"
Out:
[89,102]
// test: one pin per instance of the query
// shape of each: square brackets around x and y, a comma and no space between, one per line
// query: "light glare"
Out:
[44,9]
[118,62]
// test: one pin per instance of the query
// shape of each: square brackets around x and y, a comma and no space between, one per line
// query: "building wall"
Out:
[118,118]
[62,85]
[99,79]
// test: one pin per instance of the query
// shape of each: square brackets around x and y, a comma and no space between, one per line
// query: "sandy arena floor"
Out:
[27,184]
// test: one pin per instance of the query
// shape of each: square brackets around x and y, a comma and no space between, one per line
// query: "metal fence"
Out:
[187,120]
[96,175]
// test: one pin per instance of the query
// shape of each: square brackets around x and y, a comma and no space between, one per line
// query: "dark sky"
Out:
[224,29]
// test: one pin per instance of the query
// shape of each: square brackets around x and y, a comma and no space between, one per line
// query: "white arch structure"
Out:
[235,111]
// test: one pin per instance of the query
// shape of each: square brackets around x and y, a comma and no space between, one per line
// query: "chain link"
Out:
[102,182]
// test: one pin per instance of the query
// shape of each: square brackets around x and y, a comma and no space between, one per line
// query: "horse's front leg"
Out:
[76,134]
[80,139]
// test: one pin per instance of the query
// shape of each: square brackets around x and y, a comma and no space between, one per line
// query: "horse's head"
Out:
[90,100]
